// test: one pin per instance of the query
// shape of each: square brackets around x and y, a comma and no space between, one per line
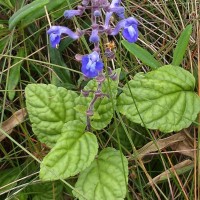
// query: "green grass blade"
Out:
[56,58]
[142,54]
[181,47]
[14,74]
[6,3]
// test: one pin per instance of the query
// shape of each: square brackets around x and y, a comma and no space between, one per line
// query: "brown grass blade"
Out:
[17,118]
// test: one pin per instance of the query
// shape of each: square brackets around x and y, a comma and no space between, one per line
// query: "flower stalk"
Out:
[92,65]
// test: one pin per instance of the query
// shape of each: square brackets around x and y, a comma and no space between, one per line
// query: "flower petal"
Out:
[84,70]
[97,13]
[55,34]
[71,13]
[54,29]
[91,65]
[130,34]
[69,32]
[99,66]
[118,27]
[85,60]
[92,74]
[107,20]
[119,10]
[94,36]
[54,40]
[115,2]
[94,56]
[130,21]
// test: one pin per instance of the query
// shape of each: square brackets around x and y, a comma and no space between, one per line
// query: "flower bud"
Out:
[71,13]
[78,57]
[109,71]
[85,2]
[94,38]
[85,93]
[100,78]
[98,94]
[97,13]
[109,54]
[114,77]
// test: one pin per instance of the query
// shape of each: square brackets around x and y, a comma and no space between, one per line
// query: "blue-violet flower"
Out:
[55,34]
[130,29]
[94,37]
[114,8]
[91,65]
[85,2]
[71,13]
[119,10]
[97,13]
[115,2]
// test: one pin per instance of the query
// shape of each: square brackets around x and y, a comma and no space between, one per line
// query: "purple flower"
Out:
[71,13]
[91,65]
[55,34]
[94,36]
[119,10]
[85,2]
[114,8]
[97,13]
[115,2]
[130,29]
[107,20]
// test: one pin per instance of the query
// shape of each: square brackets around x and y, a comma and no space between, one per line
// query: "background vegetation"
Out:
[26,57]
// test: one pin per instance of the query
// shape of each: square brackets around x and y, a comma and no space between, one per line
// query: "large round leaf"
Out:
[163,99]
[105,179]
[74,151]
[49,107]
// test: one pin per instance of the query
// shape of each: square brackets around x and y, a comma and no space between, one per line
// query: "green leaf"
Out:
[165,99]
[182,44]
[25,11]
[44,191]
[8,179]
[49,108]
[14,73]
[103,108]
[74,151]
[56,58]
[106,178]
[142,54]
